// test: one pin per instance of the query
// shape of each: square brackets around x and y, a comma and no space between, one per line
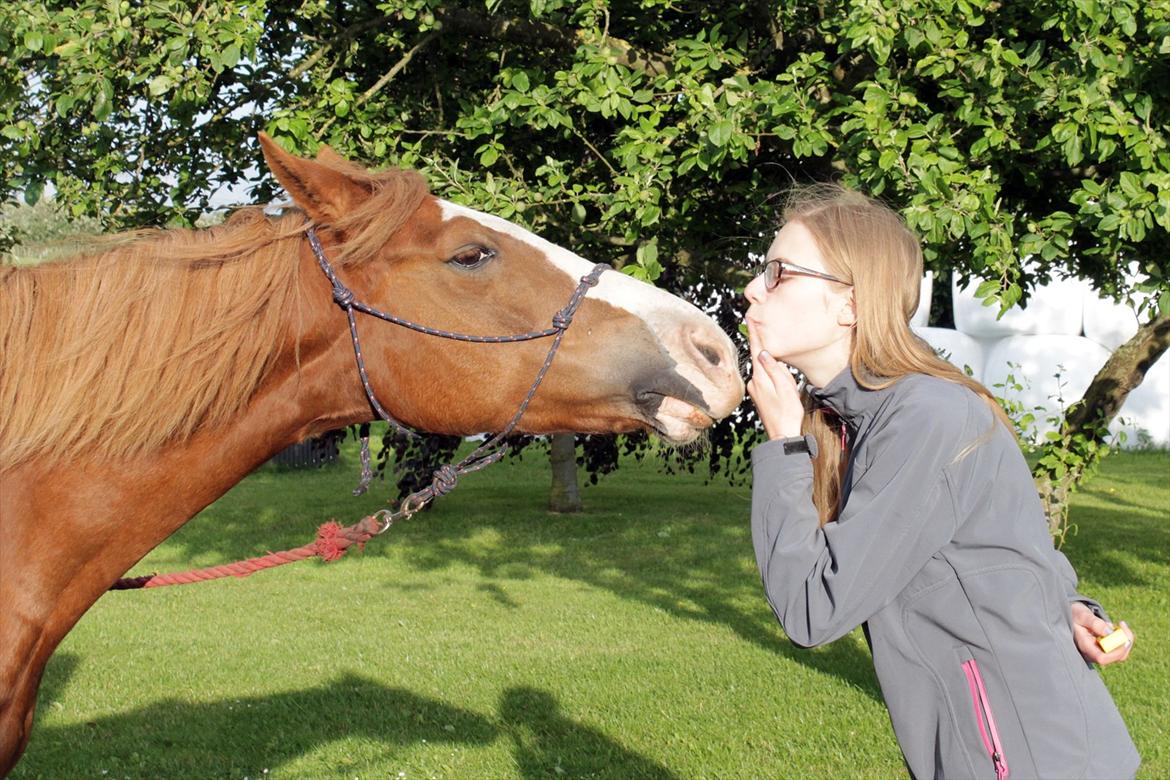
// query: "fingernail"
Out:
[765,354]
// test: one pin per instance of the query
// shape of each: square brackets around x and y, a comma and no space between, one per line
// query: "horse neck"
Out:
[313,388]
[69,530]
[117,511]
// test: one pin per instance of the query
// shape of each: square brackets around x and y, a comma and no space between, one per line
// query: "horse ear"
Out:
[326,155]
[326,193]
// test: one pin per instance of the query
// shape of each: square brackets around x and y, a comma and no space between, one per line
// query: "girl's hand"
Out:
[1087,627]
[773,389]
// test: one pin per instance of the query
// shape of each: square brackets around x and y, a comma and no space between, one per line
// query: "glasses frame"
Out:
[784,267]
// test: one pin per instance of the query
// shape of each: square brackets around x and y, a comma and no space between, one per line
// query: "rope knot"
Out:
[594,276]
[444,481]
[343,296]
[562,319]
[331,543]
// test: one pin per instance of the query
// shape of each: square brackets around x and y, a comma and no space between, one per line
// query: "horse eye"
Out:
[472,256]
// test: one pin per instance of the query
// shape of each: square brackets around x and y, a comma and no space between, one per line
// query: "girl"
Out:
[892,494]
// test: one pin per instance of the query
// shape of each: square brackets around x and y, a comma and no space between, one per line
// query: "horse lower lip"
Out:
[679,410]
[674,430]
[652,402]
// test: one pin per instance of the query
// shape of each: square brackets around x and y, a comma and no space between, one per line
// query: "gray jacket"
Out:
[942,552]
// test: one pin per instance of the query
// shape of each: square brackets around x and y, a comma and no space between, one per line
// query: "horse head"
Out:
[635,357]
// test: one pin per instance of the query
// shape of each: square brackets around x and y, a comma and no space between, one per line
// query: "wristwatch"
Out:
[806,443]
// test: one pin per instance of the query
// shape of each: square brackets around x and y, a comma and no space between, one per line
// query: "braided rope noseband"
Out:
[446,477]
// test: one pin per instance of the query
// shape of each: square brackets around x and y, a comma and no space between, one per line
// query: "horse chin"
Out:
[679,422]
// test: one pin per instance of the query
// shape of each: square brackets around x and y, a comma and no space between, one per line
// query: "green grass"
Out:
[489,639]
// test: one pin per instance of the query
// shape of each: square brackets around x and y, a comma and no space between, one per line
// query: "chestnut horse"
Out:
[142,380]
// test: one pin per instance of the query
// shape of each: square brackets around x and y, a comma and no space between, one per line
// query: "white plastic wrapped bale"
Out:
[959,348]
[1056,308]
[921,316]
[1107,323]
[1111,324]
[1145,416]
[1035,362]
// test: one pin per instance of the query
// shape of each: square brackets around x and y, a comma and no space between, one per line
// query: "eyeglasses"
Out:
[774,272]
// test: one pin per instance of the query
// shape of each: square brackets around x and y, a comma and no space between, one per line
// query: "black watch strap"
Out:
[806,443]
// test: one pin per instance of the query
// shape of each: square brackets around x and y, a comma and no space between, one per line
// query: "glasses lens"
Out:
[775,273]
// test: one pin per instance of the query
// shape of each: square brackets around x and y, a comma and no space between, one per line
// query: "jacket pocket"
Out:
[984,716]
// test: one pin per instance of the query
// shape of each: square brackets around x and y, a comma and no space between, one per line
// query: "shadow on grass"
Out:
[251,735]
[54,681]
[677,547]
[697,565]
[237,737]
[671,543]
[547,744]
[1107,540]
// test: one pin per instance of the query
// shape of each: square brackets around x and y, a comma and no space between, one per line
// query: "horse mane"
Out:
[155,335]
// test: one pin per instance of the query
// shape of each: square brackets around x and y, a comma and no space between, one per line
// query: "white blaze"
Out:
[655,307]
[673,321]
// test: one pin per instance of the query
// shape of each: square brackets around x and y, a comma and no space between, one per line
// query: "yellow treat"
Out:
[1111,642]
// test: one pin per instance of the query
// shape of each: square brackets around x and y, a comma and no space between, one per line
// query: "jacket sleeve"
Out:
[824,582]
[1069,576]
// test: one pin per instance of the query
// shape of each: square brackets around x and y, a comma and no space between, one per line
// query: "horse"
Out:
[143,378]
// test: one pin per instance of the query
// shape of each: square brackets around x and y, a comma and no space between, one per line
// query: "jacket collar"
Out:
[847,398]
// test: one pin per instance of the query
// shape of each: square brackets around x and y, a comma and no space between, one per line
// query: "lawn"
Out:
[489,639]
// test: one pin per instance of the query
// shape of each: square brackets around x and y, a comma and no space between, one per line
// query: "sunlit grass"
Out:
[489,639]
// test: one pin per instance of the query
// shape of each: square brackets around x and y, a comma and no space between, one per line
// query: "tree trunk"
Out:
[1070,459]
[1122,372]
[565,495]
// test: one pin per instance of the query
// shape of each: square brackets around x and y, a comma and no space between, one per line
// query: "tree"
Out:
[651,134]
[565,495]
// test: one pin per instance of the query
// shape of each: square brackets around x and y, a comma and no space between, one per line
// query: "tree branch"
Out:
[1122,372]
[389,75]
[385,79]
[468,22]
[345,35]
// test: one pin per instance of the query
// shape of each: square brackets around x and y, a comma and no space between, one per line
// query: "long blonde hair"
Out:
[868,245]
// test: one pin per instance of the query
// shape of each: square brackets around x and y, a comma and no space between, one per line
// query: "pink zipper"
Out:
[985,719]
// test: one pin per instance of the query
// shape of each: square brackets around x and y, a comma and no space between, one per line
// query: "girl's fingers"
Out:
[1125,650]
[1121,653]
[778,373]
[761,379]
[753,341]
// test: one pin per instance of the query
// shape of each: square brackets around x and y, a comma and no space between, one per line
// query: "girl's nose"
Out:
[754,292]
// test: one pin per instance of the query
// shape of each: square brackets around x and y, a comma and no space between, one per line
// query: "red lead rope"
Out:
[331,543]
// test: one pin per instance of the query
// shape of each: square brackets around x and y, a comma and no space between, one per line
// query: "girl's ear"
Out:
[847,314]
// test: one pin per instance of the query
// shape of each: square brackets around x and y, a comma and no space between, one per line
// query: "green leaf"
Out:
[67,49]
[102,101]
[520,81]
[160,85]
[33,41]
[230,56]
[32,192]
[720,133]
[647,253]
[985,289]
[1131,185]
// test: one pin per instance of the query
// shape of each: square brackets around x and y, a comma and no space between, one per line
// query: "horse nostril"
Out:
[708,351]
